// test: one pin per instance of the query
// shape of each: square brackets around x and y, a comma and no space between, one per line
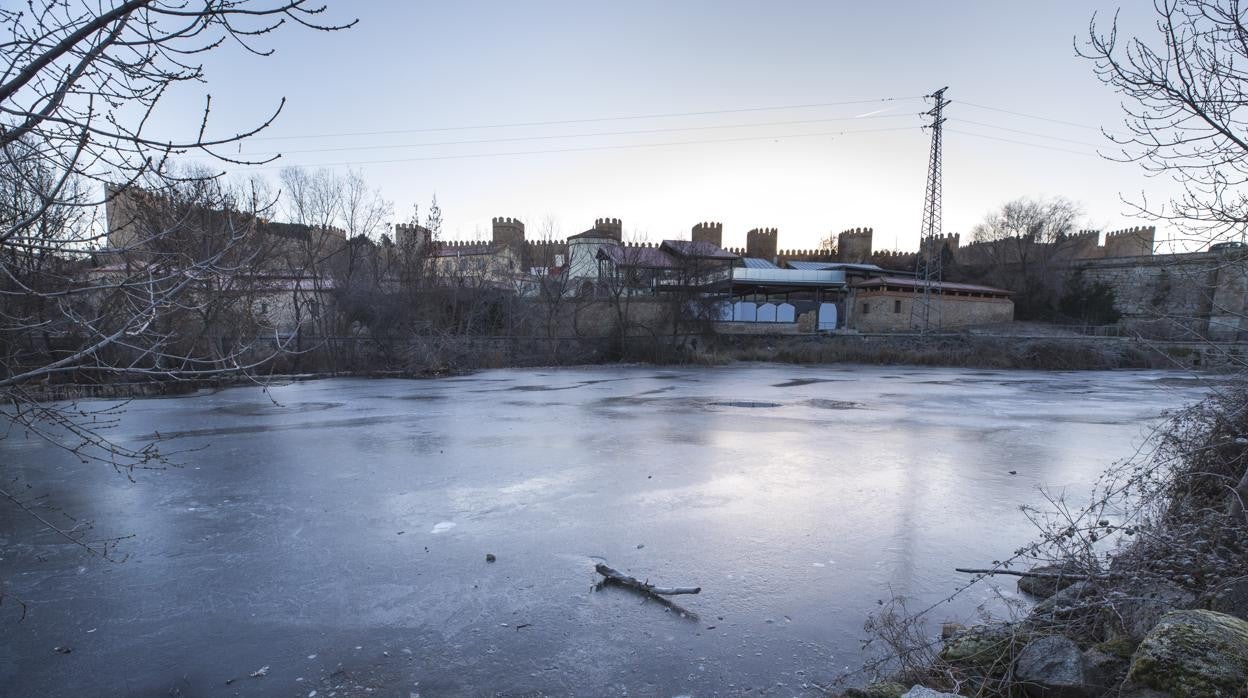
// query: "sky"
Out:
[802,116]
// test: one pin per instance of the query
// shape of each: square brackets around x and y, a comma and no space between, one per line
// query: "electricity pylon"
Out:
[925,309]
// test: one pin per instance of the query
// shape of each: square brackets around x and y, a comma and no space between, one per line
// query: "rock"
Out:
[1193,653]
[924,692]
[489,557]
[1104,670]
[1137,608]
[1067,603]
[1052,666]
[883,689]
[1044,587]
[988,649]
[1230,598]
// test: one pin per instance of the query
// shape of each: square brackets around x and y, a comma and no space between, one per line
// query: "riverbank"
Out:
[960,350]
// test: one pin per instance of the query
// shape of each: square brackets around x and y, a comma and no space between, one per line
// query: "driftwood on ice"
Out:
[655,593]
[613,575]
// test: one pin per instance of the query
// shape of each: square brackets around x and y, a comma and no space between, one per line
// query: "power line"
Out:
[476,141]
[776,137]
[1030,116]
[1027,133]
[1033,145]
[561,122]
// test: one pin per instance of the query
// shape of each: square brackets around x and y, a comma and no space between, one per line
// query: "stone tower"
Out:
[762,243]
[611,227]
[508,231]
[854,245]
[410,235]
[709,232]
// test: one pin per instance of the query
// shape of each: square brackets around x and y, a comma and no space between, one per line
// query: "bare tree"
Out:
[1185,97]
[79,86]
[1022,247]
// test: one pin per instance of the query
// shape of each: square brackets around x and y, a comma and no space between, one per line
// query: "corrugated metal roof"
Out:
[834,265]
[944,286]
[757,263]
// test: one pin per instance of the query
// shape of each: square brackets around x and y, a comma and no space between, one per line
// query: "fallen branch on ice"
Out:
[620,578]
[1038,575]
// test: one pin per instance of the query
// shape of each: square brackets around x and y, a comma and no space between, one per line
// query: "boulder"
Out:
[1137,608]
[1103,670]
[984,650]
[924,692]
[1068,602]
[1044,587]
[1193,653]
[1052,666]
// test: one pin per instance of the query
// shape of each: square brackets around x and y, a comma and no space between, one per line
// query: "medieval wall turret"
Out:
[610,226]
[762,243]
[410,235]
[854,245]
[709,232]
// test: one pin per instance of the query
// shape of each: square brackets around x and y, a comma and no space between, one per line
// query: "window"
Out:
[896,306]
[866,308]
[264,308]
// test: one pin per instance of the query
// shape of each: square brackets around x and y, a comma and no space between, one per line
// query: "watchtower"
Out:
[410,235]
[709,232]
[508,231]
[854,245]
[610,226]
[762,243]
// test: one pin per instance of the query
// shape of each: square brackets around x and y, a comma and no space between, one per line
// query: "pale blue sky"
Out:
[410,66]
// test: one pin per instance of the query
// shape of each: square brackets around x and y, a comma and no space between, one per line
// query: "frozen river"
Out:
[339,536]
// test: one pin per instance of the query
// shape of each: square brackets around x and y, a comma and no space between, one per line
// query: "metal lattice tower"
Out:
[925,310]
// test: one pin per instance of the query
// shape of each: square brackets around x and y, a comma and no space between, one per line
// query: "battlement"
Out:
[708,232]
[1138,231]
[465,243]
[1130,242]
[500,222]
[854,244]
[762,243]
[508,231]
[639,244]
[1085,234]
[410,234]
[611,226]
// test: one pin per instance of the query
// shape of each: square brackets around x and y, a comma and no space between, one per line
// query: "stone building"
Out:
[886,304]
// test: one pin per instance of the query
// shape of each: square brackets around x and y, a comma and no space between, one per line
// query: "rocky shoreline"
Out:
[1149,600]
